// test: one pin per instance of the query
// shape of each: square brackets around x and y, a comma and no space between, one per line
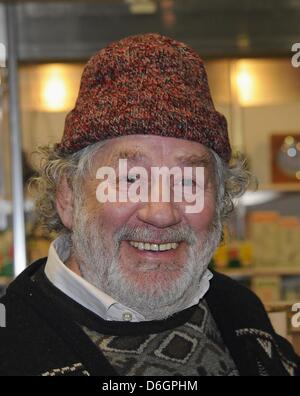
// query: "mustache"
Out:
[146,234]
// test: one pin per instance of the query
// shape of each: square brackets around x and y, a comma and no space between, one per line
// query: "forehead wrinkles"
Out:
[184,159]
[131,154]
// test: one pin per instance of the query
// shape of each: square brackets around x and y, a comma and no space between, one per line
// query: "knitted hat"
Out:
[146,84]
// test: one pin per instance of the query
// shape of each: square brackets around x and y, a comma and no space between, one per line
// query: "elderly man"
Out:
[126,288]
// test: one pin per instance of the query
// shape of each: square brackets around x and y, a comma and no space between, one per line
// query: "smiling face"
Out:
[149,256]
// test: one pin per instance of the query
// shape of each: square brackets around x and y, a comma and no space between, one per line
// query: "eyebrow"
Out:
[194,160]
[128,154]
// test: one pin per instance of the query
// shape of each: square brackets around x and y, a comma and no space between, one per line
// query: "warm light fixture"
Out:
[54,90]
[51,87]
[142,7]
[245,86]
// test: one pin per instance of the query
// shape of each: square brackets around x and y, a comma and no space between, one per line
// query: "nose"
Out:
[159,214]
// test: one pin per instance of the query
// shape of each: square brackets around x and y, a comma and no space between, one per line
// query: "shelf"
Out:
[278,306]
[250,272]
[280,187]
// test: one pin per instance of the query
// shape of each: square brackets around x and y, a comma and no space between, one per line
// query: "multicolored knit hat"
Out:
[145,84]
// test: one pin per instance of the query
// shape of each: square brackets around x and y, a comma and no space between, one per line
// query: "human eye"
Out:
[131,179]
[187,182]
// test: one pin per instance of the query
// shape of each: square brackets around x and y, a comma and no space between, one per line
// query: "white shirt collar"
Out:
[92,298]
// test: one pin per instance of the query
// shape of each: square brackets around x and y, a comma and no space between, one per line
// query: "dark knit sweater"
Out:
[45,334]
[194,348]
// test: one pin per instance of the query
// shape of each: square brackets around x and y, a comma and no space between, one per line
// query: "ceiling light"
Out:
[142,7]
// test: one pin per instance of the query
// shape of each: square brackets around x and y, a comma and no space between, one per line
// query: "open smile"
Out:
[154,247]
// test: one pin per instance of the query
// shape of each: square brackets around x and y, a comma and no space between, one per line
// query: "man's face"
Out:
[147,255]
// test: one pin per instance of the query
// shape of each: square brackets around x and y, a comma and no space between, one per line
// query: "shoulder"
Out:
[233,303]
[22,324]
[237,307]
[233,293]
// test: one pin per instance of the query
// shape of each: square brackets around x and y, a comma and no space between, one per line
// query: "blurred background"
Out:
[250,51]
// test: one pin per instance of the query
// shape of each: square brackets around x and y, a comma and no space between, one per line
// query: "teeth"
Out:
[167,246]
[140,246]
[163,247]
[155,247]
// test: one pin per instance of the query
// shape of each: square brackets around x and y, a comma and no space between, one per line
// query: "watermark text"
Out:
[296,56]
[160,184]
[296,317]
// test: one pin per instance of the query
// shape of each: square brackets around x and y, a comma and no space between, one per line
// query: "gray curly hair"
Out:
[231,181]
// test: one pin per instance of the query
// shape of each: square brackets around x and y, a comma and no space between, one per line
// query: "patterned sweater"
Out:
[49,334]
[194,348]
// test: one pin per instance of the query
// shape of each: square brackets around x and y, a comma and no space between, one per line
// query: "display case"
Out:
[261,99]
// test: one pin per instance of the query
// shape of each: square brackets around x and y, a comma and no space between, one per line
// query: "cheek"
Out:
[116,213]
[111,216]
[202,221]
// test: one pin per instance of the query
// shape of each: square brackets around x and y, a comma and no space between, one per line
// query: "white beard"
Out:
[100,265]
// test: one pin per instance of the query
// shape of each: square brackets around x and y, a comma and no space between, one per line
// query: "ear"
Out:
[64,203]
